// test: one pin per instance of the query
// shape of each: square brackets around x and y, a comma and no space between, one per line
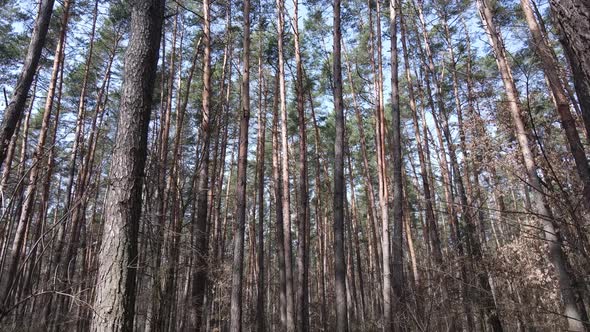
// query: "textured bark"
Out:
[17,103]
[114,304]
[570,293]
[573,20]
[81,195]
[397,179]
[8,166]
[244,116]
[339,185]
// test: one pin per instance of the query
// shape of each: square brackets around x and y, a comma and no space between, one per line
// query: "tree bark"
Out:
[17,103]
[572,18]
[114,304]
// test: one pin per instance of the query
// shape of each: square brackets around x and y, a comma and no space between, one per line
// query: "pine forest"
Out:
[294,165]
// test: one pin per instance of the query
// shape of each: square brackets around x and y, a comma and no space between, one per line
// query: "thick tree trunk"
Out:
[115,290]
[573,20]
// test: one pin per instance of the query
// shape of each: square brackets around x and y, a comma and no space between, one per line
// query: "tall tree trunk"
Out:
[380,138]
[17,103]
[339,185]
[319,214]
[114,304]
[260,155]
[201,243]
[278,199]
[573,20]
[397,179]
[244,116]
[574,307]
[303,197]
[290,318]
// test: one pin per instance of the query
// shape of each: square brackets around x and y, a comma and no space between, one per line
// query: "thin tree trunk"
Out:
[244,116]
[278,193]
[260,155]
[339,185]
[290,318]
[397,179]
[355,229]
[201,243]
[303,194]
